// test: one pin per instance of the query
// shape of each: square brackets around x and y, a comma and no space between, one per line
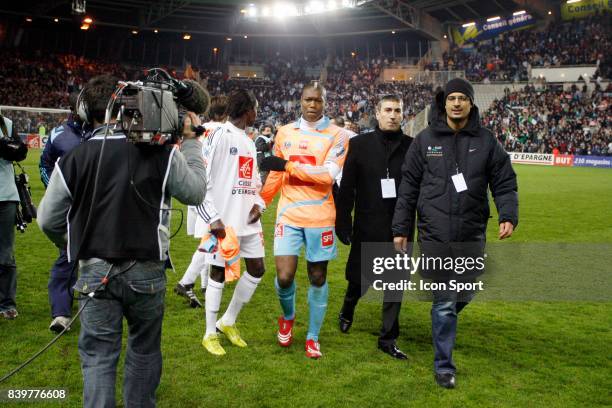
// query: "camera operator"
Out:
[11,149]
[121,242]
[263,144]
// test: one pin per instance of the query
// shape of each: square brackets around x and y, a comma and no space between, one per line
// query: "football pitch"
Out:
[528,353]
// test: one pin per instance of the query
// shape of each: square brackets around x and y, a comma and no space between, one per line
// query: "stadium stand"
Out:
[355,82]
[553,121]
[510,56]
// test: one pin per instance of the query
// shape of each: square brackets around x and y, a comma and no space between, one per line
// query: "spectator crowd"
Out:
[532,120]
[553,121]
[509,56]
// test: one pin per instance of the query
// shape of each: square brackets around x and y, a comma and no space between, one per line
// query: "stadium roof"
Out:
[229,17]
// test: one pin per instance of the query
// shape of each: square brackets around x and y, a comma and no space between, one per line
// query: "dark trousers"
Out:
[8,269]
[389,331]
[63,277]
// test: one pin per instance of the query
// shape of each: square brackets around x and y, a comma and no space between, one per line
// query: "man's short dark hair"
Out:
[218,106]
[240,101]
[266,125]
[96,94]
[339,120]
[72,101]
[389,98]
[316,85]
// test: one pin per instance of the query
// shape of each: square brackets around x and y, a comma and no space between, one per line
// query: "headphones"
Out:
[81,108]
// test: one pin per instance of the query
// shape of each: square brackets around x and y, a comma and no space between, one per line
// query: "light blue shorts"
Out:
[320,242]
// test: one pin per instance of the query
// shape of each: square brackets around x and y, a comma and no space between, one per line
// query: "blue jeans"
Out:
[444,314]
[137,294]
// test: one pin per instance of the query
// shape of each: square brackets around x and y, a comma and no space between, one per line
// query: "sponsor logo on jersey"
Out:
[327,238]
[287,145]
[233,151]
[303,144]
[245,167]
[305,159]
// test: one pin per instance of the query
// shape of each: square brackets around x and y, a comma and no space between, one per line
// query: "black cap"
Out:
[459,85]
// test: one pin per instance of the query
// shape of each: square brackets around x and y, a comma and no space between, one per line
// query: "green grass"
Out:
[508,353]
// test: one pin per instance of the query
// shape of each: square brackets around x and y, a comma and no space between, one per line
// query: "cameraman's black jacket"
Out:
[426,187]
[122,225]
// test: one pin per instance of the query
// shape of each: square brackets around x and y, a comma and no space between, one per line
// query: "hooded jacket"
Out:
[443,214]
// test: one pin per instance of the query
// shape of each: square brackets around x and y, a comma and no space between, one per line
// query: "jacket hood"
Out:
[437,118]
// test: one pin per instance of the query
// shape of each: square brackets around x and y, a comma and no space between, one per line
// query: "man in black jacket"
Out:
[445,180]
[373,158]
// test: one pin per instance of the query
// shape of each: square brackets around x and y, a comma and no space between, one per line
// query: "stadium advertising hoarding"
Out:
[561,160]
[564,160]
[532,158]
[489,29]
[33,141]
[593,161]
[584,8]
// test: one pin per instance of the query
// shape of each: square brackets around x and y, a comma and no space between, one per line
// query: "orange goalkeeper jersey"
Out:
[316,156]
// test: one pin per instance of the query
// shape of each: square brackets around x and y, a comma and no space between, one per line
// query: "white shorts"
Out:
[192,216]
[251,246]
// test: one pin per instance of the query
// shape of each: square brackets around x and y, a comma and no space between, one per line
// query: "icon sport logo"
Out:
[245,167]
[327,238]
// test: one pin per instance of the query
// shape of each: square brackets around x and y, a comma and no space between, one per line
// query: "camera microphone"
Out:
[192,96]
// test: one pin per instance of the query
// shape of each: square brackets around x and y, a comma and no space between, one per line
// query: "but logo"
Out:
[327,238]
[245,167]
[564,160]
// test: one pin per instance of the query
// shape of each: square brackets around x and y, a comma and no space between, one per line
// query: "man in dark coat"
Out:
[374,158]
[445,179]
[263,145]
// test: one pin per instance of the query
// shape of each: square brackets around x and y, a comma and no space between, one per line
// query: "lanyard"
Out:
[387,155]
